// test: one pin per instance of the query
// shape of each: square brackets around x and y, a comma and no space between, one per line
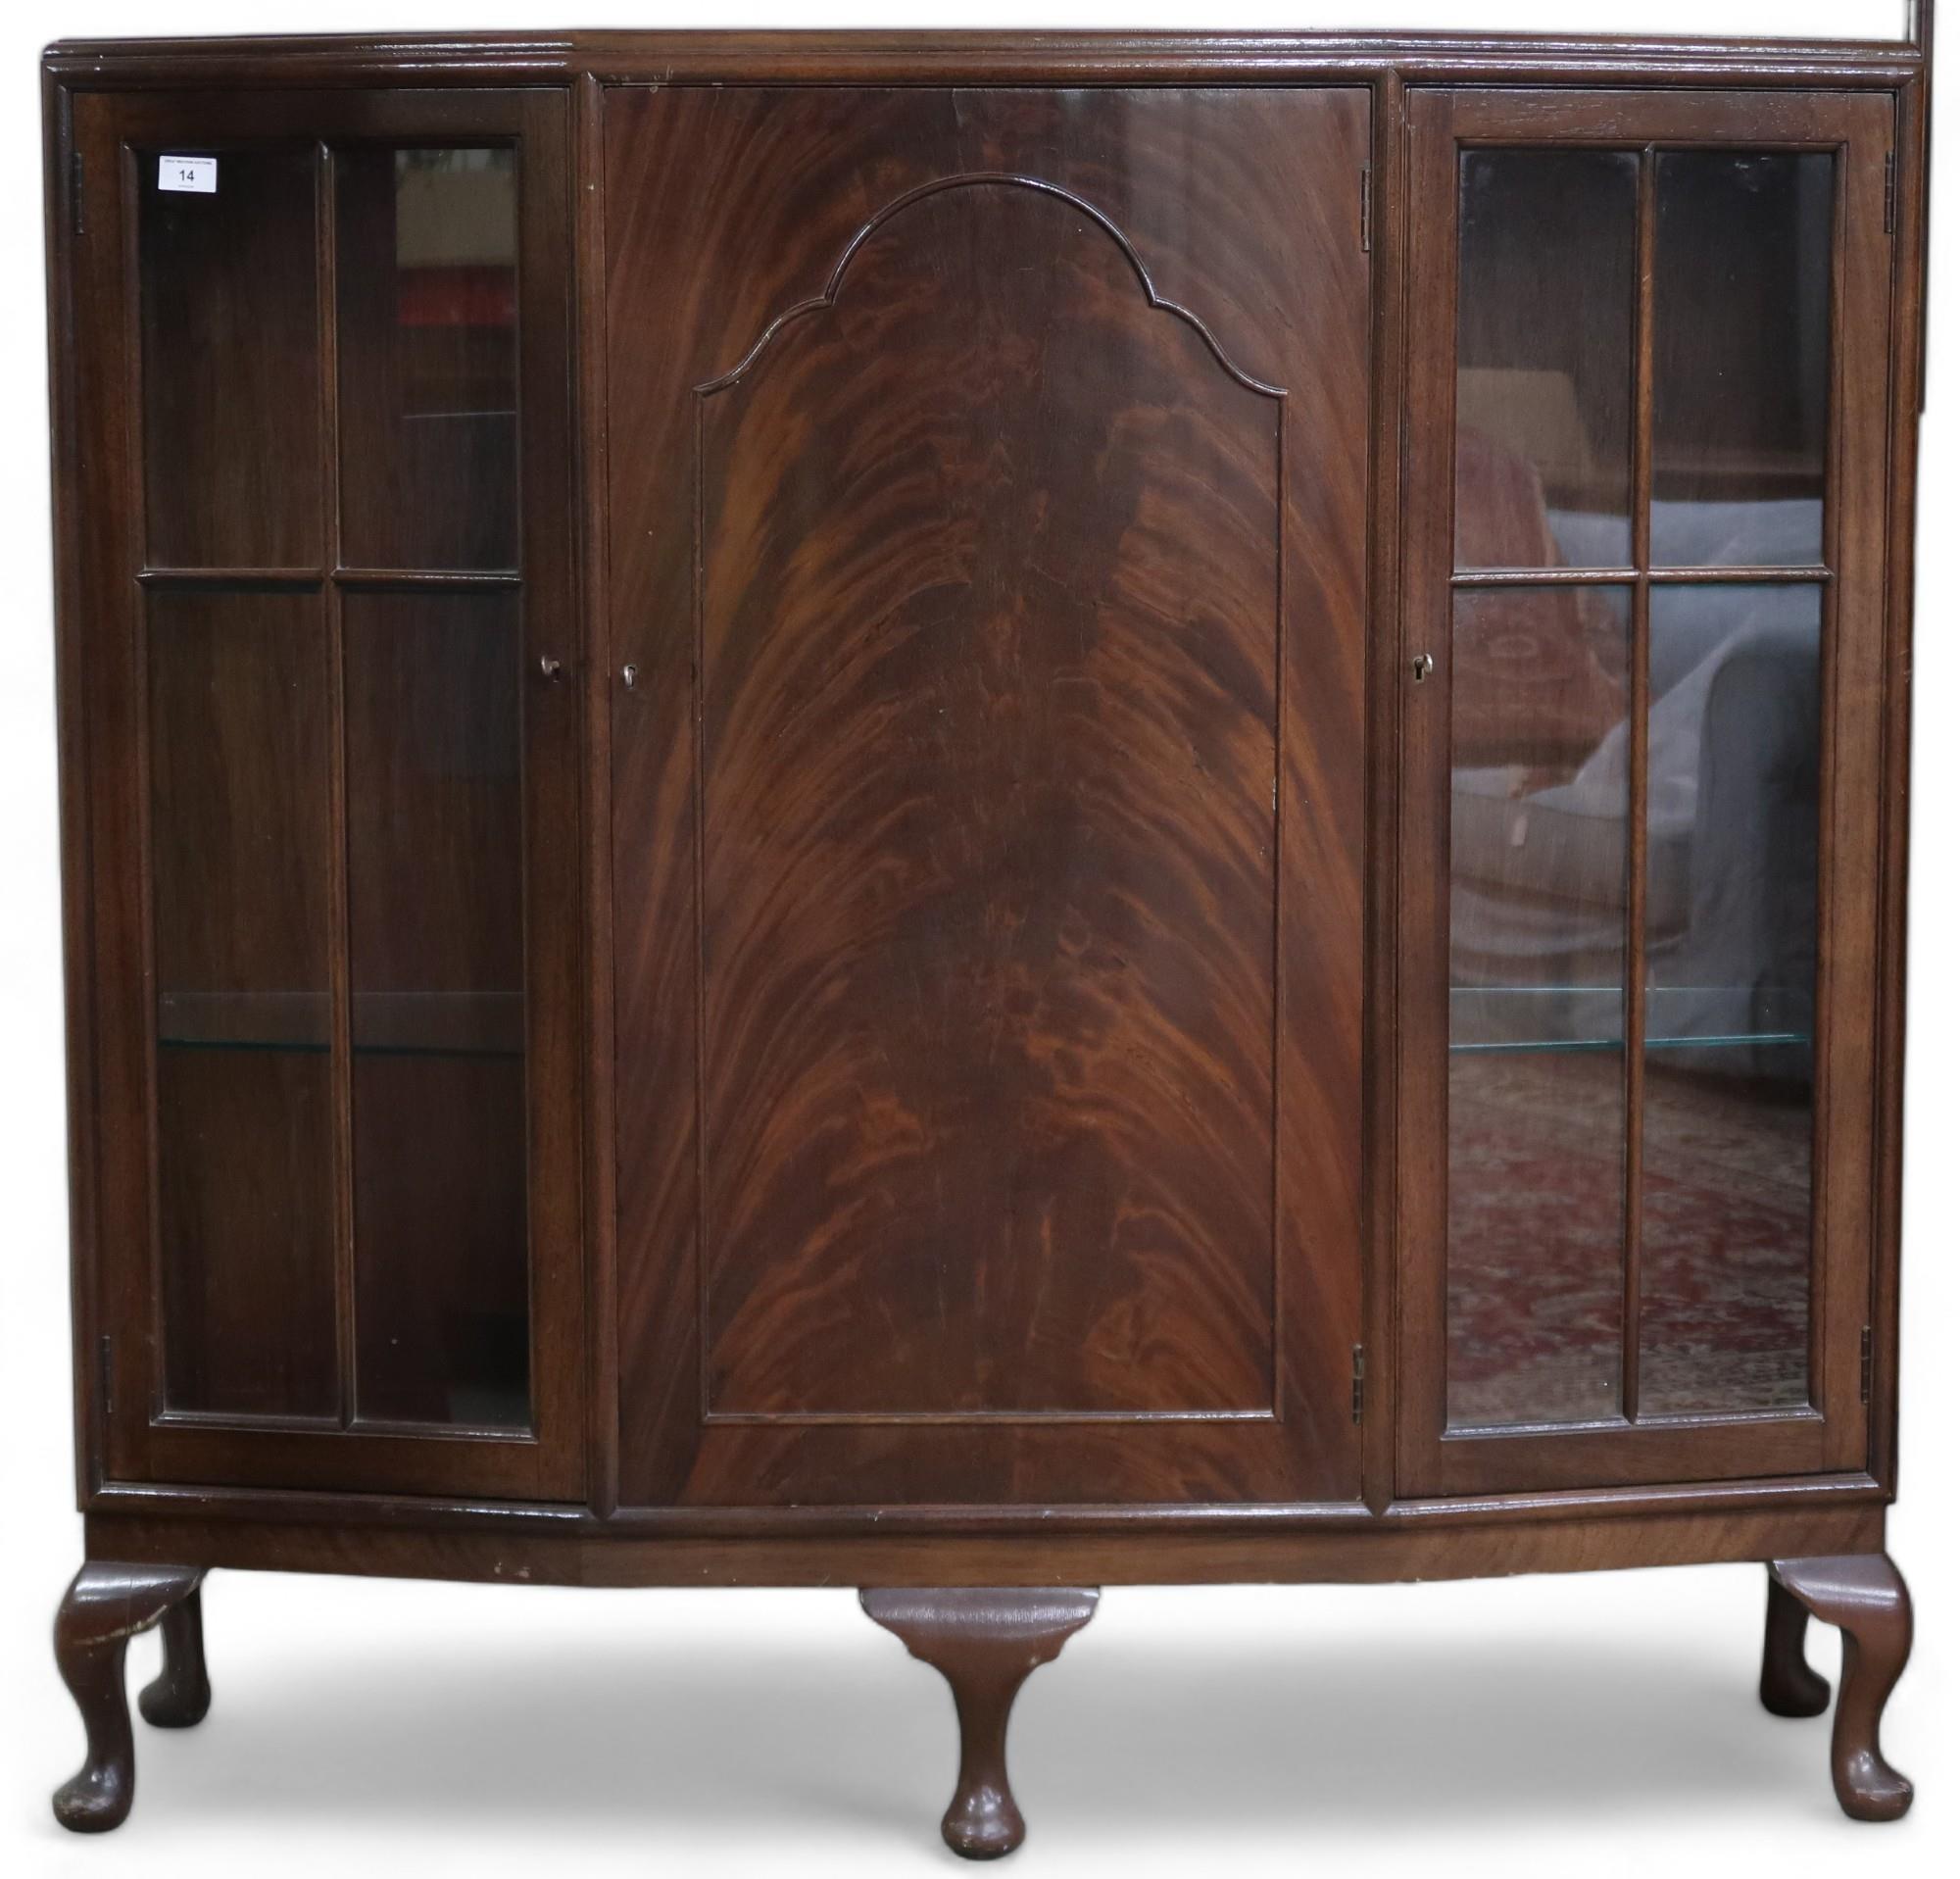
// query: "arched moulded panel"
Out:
[988,602]
[981,179]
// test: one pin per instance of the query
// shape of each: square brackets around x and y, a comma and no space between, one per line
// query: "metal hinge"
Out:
[106,1366]
[1361,1381]
[1865,1366]
[1367,207]
[74,191]
[1891,191]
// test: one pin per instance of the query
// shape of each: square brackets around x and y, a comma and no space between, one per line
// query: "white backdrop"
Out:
[1591,1725]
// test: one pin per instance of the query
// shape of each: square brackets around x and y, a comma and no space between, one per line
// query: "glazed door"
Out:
[987,544]
[1642,811]
[324,392]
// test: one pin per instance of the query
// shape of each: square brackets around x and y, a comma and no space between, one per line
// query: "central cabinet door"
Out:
[987,518]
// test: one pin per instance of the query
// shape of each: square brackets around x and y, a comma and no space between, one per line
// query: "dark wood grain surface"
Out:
[989,611]
[178,1696]
[815,1546]
[986,1644]
[1789,1687]
[999,57]
[104,1608]
[998,890]
[1866,1598]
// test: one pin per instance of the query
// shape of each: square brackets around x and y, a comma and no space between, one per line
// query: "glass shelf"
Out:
[305,1047]
[1491,1020]
[1741,1040]
[419,1025]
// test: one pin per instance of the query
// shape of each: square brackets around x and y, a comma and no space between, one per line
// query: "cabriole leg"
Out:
[180,1696]
[1864,1596]
[1789,1686]
[984,1644]
[105,1606]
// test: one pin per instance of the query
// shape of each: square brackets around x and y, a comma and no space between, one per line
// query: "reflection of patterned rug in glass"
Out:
[1535,1229]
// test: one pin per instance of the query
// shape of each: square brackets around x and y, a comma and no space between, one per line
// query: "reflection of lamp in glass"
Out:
[455,209]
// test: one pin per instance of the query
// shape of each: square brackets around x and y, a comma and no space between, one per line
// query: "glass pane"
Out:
[1732,952]
[1741,358]
[1538,858]
[427,275]
[442,1312]
[245,1219]
[240,817]
[1546,306]
[230,341]
[435,881]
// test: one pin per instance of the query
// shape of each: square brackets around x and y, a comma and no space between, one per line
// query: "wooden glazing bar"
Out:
[413,579]
[1740,576]
[230,576]
[340,945]
[135,548]
[1544,577]
[1635,1026]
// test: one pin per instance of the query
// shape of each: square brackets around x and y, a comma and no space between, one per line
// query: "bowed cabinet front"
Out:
[979,819]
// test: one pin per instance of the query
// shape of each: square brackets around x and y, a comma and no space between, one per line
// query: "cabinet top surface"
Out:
[992,57]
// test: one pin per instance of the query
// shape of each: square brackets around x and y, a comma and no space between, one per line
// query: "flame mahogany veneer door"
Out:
[987,520]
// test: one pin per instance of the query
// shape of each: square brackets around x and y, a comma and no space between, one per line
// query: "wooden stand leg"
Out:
[1864,1596]
[180,1696]
[1789,1686]
[105,1606]
[985,1643]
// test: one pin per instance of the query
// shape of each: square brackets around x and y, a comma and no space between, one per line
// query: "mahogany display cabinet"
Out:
[984,816]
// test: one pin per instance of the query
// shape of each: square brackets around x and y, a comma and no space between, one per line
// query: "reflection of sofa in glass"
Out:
[1539,850]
